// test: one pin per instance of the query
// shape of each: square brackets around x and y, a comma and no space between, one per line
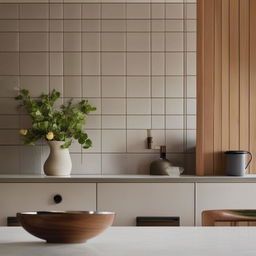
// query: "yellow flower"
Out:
[23,132]
[49,136]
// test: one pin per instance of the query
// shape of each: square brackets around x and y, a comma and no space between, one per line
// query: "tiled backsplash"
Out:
[134,61]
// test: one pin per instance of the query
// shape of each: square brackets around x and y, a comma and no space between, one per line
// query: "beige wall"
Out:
[134,62]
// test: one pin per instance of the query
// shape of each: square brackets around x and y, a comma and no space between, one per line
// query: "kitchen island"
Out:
[138,241]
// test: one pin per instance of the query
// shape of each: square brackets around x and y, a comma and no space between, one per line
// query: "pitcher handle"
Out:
[249,160]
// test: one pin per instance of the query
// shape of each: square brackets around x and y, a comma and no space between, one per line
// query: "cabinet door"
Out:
[211,196]
[17,197]
[129,200]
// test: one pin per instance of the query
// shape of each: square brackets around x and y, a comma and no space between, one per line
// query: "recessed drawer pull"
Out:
[57,199]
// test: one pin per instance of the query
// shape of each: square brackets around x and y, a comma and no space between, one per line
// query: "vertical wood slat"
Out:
[234,75]
[253,80]
[244,74]
[225,79]
[205,88]
[227,86]
[217,89]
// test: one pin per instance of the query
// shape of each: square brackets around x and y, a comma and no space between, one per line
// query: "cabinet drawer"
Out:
[129,200]
[16,197]
[224,196]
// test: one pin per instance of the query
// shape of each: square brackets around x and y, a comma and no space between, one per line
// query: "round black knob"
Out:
[57,199]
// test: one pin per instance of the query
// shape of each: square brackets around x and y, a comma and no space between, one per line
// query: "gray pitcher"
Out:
[237,162]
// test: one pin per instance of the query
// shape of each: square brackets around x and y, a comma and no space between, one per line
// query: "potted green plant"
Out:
[59,127]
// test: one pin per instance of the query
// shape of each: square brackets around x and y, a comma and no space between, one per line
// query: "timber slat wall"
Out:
[226,73]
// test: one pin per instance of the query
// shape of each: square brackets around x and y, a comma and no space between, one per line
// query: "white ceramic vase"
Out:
[58,162]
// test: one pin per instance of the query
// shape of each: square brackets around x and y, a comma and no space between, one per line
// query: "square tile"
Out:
[91,86]
[158,10]
[7,85]
[56,82]
[191,122]
[56,11]
[113,11]
[72,42]
[113,41]
[72,86]
[191,63]
[56,63]
[138,122]
[56,42]
[138,41]
[191,106]
[191,25]
[138,106]
[34,25]
[174,86]
[174,122]
[9,137]
[56,25]
[114,122]
[138,63]
[91,41]
[9,63]
[191,41]
[113,26]
[157,40]
[91,11]
[9,11]
[34,11]
[158,86]
[91,25]
[95,137]
[174,11]
[138,25]
[113,141]
[35,84]
[174,106]
[72,25]
[158,25]
[33,41]
[91,63]
[191,86]
[191,141]
[113,86]
[72,11]
[9,42]
[175,141]
[138,86]
[138,11]
[191,11]
[34,64]
[158,64]
[113,63]
[92,164]
[9,25]
[158,122]
[72,63]
[174,41]
[174,25]
[174,64]
[93,122]
[113,106]
[9,122]
[8,107]
[158,106]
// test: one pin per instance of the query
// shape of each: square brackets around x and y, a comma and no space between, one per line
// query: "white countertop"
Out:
[138,241]
[126,179]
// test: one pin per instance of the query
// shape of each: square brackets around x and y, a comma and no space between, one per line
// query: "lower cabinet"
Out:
[211,196]
[129,200]
[17,197]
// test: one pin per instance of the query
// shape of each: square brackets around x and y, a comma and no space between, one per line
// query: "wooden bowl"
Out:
[66,227]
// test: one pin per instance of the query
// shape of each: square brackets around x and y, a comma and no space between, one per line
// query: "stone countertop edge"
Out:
[126,179]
